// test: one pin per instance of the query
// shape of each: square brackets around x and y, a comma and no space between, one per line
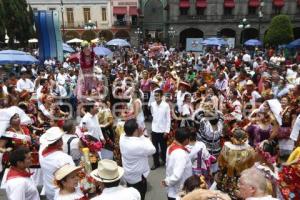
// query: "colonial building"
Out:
[175,20]
[124,18]
[85,19]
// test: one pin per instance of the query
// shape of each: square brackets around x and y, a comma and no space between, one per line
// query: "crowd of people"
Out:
[225,124]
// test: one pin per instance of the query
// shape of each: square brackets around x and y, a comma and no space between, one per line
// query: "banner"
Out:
[194,44]
[231,42]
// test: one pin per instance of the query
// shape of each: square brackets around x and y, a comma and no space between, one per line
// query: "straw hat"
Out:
[65,171]
[249,82]
[184,84]
[52,135]
[108,171]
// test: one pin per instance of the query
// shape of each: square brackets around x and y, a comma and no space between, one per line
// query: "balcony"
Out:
[76,24]
[121,23]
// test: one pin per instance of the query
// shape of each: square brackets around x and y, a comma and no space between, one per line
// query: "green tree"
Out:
[280,31]
[18,21]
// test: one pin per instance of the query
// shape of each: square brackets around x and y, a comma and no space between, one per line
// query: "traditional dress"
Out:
[257,134]
[232,161]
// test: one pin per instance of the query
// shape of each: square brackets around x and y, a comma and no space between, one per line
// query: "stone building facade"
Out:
[206,18]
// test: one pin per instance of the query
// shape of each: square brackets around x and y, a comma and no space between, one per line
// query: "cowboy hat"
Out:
[108,171]
[65,171]
[52,135]
[184,84]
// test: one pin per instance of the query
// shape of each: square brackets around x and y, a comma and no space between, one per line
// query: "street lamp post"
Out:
[171,33]
[138,32]
[90,26]
[244,24]
[260,16]
[62,19]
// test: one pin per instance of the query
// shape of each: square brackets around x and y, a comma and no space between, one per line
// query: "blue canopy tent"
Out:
[17,57]
[294,45]
[253,42]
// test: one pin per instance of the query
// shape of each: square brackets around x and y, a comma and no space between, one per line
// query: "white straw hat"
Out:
[65,171]
[52,135]
[108,171]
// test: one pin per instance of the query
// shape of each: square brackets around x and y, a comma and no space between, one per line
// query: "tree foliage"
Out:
[280,31]
[16,17]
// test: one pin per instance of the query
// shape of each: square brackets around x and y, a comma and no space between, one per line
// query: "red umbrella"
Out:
[74,57]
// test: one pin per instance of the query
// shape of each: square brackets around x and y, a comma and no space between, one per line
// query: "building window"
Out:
[277,10]
[200,11]
[52,9]
[228,11]
[87,14]
[121,20]
[252,10]
[70,17]
[134,20]
[184,11]
[103,14]
[34,9]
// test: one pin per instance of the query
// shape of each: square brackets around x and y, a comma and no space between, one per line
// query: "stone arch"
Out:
[88,35]
[249,33]
[69,35]
[227,33]
[106,34]
[122,34]
[153,15]
[296,31]
[189,33]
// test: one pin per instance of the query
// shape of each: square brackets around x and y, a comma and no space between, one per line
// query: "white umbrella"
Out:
[95,40]
[75,40]
[118,42]
[33,40]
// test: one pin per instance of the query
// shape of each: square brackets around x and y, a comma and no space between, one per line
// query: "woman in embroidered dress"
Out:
[259,128]
[200,157]
[16,135]
[209,125]
[236,155]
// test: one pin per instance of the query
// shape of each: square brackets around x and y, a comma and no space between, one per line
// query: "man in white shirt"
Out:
[19,185]
[161,125]
[24,83]
[61,77]
[135,149]
[221,83]
[71,141]
[246,57]
[109,174]
[90,121]
[52,158]
[179,165]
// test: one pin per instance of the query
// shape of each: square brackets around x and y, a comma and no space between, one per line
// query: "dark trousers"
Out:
[159,140]
[169,198]
[141,187]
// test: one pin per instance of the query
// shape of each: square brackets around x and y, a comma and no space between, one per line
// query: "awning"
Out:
[184,4]
[119,10]
[201,4]
[278,3]
[229,3]
[254,3]
[133,10]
